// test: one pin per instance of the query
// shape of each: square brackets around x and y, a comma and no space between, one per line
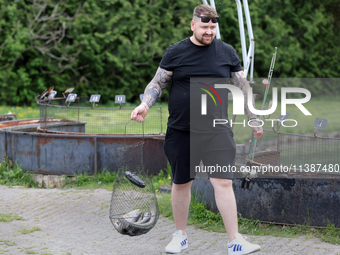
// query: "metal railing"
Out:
[301,153]
[99,120]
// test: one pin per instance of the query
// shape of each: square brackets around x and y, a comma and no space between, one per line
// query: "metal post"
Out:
[5,143]
[278,147]
[252,64]
[218,35]
[251,39]
[45,117]
[13,148]
[241,25]
[95,156]
[248,60]
[161,121]
[78,108]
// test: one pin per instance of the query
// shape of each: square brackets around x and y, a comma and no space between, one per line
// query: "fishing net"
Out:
[134,208]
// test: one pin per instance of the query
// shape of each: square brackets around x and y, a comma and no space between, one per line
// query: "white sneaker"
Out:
[240,246]
[178,243]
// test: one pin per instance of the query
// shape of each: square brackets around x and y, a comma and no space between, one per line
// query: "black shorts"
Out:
[185,150]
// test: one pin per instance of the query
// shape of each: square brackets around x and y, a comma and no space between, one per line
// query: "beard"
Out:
[203,40]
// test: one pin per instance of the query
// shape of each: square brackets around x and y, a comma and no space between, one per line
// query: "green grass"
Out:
[325,107]
[12,174]
[31,252]
[311,153]
[114,121]
[104,207]
[30,230]
[104,180]
[199,216]
[9,217]
[163,178]
[7,243]
[203,218]
[110,121]
[22,112]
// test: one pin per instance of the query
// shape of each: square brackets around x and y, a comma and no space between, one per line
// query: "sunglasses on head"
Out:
[206,19]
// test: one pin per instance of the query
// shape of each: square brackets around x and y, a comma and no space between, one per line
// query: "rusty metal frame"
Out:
[95,146]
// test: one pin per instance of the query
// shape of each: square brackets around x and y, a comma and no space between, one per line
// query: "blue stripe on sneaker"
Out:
[235,247]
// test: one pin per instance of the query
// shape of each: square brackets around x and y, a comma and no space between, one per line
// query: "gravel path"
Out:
[77,222]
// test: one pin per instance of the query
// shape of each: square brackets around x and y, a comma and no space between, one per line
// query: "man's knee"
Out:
[221,183]
[181,187]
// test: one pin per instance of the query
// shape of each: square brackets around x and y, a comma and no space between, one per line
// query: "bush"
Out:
[114,47]
[13,174]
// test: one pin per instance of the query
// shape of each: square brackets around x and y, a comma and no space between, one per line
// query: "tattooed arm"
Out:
[239,80]
[152,93]
[156,87]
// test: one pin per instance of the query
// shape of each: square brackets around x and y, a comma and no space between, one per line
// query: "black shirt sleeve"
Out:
[167,62]
[236,62]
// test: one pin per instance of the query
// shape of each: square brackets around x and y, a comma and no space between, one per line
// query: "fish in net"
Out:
[133,208]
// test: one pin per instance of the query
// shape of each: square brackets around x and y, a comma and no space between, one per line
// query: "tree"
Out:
[114,47]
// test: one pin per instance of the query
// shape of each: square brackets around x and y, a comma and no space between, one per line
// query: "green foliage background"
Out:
[113,47]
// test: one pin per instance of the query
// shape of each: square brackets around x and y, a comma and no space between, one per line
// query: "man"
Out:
[201,55]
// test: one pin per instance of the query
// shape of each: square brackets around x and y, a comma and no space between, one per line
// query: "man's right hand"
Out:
[139,113]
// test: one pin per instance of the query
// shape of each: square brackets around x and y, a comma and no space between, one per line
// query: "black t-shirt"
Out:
[187,60]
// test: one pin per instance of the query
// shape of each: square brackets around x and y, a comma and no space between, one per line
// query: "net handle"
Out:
[126,127]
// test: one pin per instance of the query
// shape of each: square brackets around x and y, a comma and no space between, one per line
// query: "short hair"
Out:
[205,9]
